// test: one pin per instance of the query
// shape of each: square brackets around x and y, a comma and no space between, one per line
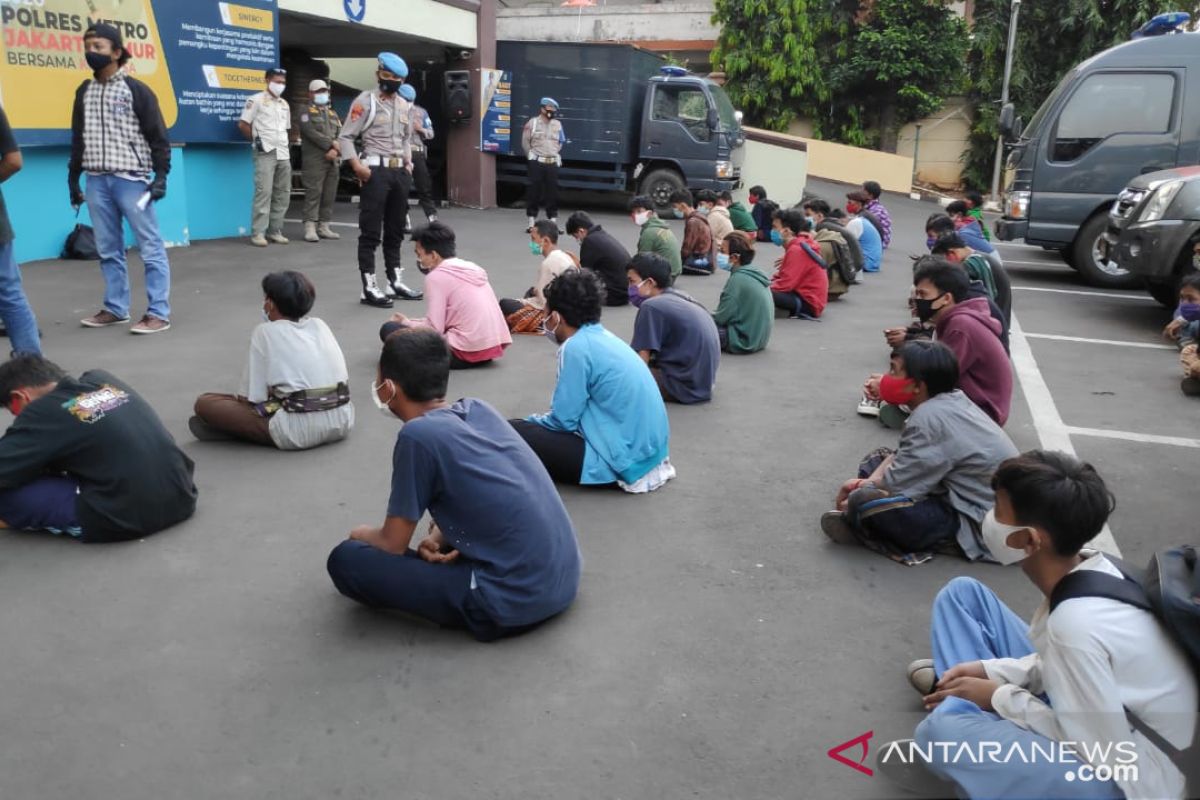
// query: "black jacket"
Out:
[608,258]
[150,121]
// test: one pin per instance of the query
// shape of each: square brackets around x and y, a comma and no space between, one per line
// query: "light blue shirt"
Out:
[871,244]
[606,394]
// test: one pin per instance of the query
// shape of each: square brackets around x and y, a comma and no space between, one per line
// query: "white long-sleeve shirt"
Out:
[1094,658]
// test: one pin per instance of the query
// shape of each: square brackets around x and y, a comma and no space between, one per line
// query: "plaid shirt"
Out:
[112,135]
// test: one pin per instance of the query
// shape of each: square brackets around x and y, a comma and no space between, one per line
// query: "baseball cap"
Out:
[316,84]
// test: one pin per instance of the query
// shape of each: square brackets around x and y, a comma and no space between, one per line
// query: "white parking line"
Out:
[1057,338]
[1130,436]
[1051,430]
[1141,298]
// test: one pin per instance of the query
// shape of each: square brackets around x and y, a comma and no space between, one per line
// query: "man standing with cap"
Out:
[115,108]
[319,127]
[543,139]
[422,131]
[265,121]
[384,169]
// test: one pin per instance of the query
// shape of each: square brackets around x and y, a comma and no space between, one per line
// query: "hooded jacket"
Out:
[460,305]
[720,223]
[657,238]
[984,371]
[698,239]
[801,274]
[742,219]
[746,310]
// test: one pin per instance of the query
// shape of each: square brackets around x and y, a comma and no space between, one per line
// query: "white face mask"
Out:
[551,333]
[641,217]
[379,404]
[276,88]
[995,536]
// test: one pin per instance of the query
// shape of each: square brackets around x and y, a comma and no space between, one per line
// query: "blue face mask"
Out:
[321,99]
[776,237]
[704,210]
[535,248]
[723,262]
[1189,311]
[678,213]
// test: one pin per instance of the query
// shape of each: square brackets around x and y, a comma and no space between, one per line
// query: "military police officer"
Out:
[422,131]
[384,168]
[542,140]
[319,127]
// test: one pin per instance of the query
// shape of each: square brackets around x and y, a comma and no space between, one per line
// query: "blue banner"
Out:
[495,115]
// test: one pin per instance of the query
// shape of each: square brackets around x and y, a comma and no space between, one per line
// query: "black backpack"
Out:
[1170,590]
[80,244]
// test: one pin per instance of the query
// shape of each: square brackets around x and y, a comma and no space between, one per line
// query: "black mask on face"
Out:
[549,112]
[391,87]
[925,309]
[97,61]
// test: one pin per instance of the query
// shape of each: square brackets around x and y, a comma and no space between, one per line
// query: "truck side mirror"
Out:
[1018,128]
[1008,114]
[714,121]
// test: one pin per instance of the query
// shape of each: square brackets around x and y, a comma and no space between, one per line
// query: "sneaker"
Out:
[1190,387]
[803,316]
[326,232]
[868,407]
[151,324]
[835,526]
[893,417]
[394,287]
[278,238]
[103,319]
[922,676]
[258,240]
[908,773]
[310,232]
[205,432]
[431,218]
[371,295]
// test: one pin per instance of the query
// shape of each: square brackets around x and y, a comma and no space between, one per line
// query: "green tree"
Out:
[902,64]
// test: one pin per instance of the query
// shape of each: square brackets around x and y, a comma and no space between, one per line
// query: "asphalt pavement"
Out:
[719,646]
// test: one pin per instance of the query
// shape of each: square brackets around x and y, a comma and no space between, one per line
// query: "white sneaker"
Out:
[258,240]
[310,232]
[868,407]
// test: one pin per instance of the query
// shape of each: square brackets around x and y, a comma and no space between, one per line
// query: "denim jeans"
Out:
[111,199]
[14,306]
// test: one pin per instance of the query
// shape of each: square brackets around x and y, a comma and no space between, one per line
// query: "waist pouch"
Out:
[308,401]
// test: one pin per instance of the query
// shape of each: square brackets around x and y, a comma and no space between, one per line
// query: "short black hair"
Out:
[939,223]
[759,191]
[1058,493]
[818,206]
[577,295]
[292,293]
[931,363]
[1190,281]
[725,195]
[682,196]
[436,237]
[946,277]
[643,202]
[706,196]
[957,207]
[547,229]
[973,197]
[738,246]
[24,372]
[947,242]
[579,221]
[858,196]
[652,266]
[837,213]
[791,218]
[872,188]
[418,360]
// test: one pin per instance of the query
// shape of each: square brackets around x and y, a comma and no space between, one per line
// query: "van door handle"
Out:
[1153,168]
[655,143]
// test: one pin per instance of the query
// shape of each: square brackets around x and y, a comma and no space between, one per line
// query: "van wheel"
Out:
[1166,292]
[659,185]
[1066,254]
[1086,257]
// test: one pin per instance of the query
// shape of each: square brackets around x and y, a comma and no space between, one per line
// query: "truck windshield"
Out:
[724,108]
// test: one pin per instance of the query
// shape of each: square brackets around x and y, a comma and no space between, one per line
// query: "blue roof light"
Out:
[673,72]
[1163,24]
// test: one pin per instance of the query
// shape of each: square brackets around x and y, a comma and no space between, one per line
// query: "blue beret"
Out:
[408,92]
[549,101]
[393,64]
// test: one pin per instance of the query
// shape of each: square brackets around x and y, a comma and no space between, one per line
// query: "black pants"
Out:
[423,184]
[383,205]
[543,189]
[510,306]
[792,303]
[560,452]
[389,328]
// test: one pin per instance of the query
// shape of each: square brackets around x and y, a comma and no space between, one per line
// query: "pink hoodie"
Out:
[460,305]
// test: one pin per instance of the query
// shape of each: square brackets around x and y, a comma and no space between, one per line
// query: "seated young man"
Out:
[835,250]
[739,215]
[459,301]
[603,254]
[527,314]
[673,334]
[607,423]
[933,491]
[698,253]
[939,225]
[719,221]
[863,226]
[800,286]
[761,210]
[878,211]
[1073,675]
[746,311]
[501,554]
[655,236]
[825,218]
[295,391]
[994,279]
[87,456]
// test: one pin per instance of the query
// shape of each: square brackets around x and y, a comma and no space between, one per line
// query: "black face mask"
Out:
[97,61]
[549,113]
[925,309]
[391,87]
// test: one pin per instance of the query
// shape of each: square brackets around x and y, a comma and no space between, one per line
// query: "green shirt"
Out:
[656,237]
[977,213]
[746,310]
[742,219]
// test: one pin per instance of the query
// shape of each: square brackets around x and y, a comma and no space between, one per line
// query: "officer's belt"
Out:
[384,161]
[548,159]
[418,149]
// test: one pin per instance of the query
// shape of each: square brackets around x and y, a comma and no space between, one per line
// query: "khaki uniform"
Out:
[319,128]
[270,119]
[542,141]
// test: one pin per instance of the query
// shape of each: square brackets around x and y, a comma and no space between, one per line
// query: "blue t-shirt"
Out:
[685,337]
[871,244]
[972,236]
[494,503]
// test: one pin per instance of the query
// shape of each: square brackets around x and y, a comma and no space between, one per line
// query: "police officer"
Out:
[542,140]
[319,127]
[422,131]
[265,121]
[384,169]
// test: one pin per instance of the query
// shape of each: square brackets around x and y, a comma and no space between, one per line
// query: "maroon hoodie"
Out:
[984,372]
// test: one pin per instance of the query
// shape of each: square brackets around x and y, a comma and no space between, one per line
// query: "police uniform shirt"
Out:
[269,118]
[418,119]
[542,138]
[388,134]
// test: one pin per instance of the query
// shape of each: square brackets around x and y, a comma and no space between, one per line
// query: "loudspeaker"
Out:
[456,95]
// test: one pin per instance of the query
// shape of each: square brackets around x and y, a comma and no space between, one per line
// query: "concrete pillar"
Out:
[471,173]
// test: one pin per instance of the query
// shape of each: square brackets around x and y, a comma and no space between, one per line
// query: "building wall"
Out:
[427,19]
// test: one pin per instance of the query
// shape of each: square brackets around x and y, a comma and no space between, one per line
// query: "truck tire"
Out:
[1066,254]
[1166,291]
[659,185]
[1086,258]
